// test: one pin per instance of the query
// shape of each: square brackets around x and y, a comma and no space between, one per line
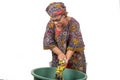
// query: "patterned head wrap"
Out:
[56,8]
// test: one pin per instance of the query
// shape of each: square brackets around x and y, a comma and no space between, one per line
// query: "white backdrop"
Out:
[22,27]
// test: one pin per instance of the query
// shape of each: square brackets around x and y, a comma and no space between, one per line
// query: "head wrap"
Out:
[56,8]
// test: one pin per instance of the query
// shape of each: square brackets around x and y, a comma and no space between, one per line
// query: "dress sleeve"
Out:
[49,39]
[75,38]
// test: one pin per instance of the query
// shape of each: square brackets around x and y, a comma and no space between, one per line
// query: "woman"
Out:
[63,37]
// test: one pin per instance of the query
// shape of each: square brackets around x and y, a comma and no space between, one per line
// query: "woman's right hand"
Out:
[61,56]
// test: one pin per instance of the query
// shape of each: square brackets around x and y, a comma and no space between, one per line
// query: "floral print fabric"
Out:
[70,38]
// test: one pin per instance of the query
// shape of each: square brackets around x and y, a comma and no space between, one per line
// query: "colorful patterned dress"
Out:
[70,38]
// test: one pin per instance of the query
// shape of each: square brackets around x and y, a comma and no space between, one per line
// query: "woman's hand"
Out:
[61,56]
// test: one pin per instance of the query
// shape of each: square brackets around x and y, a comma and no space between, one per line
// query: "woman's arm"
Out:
[69,55]
[59,53]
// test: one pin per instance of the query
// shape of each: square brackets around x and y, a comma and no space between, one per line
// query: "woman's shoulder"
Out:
[73,21]
[50,24]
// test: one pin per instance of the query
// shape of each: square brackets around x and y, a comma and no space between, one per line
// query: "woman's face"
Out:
[58,20]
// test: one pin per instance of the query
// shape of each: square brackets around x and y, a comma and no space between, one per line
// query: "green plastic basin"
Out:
[48,73]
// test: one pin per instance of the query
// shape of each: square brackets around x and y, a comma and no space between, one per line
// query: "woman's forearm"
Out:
[59,53]
[69,54]
[56,50]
